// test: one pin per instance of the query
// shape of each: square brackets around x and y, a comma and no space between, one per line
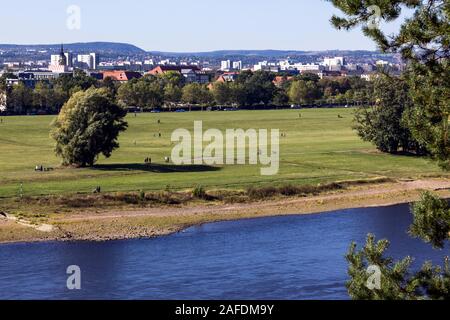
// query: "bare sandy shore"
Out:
[157,221]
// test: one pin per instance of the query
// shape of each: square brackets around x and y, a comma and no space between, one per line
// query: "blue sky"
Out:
[182,25]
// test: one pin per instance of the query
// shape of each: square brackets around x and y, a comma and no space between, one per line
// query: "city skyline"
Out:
[284,25]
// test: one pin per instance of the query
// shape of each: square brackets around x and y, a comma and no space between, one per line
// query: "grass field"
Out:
[319,147]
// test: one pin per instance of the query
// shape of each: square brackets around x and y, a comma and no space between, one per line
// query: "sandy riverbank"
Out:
[127,223]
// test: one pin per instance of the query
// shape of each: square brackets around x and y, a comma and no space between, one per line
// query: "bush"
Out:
[289,190]
[142,196]
[167,198]
[199,192]
[262,192]
[128,198]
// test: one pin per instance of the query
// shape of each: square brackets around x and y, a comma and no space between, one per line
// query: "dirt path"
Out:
[39,227]
[387,191]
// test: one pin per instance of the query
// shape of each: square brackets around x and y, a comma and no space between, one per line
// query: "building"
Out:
[164,69]
[31,78]
[228,77]
[95,74]
[368,67]
[228,65]
[279,80]
[121,75]
[61,62]
[84,61]
[69,59]
[190,73]
[336,61]
[167,62]
[332,74]
[225,65]
[12,65]
[55,59]
[334,64]
[3,101]
[237,65]
[89,61]
[191,76]
[225,78]
[353,67]
[285,65]
[382,63]
[267,66]
[370,76]
[305,68]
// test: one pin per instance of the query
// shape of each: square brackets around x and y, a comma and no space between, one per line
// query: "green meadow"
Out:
[318,147]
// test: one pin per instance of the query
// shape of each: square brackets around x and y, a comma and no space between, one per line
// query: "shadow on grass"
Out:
[408,154]
[157,168]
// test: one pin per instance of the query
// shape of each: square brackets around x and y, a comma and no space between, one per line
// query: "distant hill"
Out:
[114,50]
[266,53]
[108,48]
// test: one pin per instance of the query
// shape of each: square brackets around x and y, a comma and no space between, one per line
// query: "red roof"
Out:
[119,75]
[227,76]
[230,73]
[164,69]
[280,80]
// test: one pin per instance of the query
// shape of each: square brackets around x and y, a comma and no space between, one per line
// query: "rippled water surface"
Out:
[292,257]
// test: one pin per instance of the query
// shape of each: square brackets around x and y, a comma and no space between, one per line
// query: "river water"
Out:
[289,257]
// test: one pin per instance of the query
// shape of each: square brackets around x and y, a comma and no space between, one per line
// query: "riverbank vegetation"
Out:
[168,197]
[126,215]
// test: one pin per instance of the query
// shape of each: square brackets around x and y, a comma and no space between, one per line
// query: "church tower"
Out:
[62,57]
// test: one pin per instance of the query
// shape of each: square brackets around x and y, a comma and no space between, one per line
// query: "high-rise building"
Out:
[334,64]
[84,60]
[228,65]
[69,59]
[237,65]
[225,65]
[54,59]
[88,60]
[95,60]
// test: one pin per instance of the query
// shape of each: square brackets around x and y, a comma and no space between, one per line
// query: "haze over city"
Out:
[181,26]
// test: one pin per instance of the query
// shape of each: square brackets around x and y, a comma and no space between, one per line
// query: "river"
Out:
[288,257]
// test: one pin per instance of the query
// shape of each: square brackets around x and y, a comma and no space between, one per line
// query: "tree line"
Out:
[170,89]
[46,96]
[258,88]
